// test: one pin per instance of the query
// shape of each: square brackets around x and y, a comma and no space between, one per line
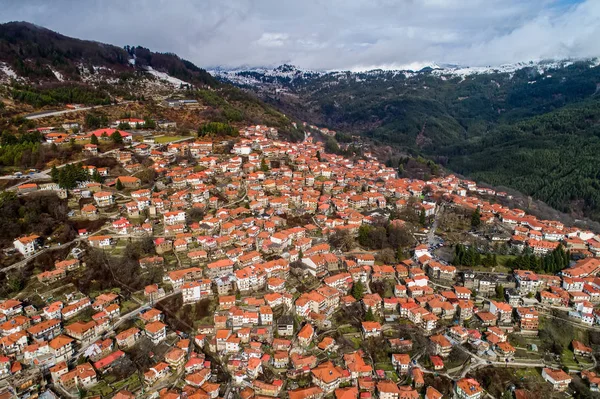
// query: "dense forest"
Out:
[552,157]
[535,129]
[64,94]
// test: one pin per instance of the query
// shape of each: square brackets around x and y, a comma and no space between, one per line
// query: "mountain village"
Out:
[254,240]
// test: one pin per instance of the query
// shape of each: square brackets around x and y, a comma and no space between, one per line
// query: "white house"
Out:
[27,245]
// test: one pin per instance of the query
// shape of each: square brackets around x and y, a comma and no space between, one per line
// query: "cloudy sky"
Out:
[330,34]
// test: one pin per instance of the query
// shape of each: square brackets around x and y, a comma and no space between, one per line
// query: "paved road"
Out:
[39,115]
[44,250]
[478,362]
[45,174]
[38,253]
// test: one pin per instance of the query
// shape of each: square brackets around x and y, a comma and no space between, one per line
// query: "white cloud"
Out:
[333,34]
[272,40]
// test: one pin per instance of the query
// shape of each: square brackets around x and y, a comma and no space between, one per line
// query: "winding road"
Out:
[45,114]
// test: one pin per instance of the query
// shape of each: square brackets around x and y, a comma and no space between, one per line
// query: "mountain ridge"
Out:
[36,53]
[43,68]
[439,69]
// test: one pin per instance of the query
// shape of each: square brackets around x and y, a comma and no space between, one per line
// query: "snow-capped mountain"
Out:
[287,74]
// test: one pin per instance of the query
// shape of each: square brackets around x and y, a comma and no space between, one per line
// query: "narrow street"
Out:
[44,250]
[431,237]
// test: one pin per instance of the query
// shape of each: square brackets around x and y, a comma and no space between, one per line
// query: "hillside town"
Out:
[253,267]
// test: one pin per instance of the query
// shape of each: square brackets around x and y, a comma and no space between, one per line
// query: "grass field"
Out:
[168,139]
[502,259]
[128,306]
[101,389]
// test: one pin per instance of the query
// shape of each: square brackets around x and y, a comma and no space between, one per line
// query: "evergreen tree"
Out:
[459,255]
[54,174]
[263,165]
[533,262]
[358,290]
[149,123]
[96,176]
[470,257]
[487,260]
[94,139]
[119,185]
[422,220]
[369,316]
[116,137]
[319,155]
[500,292]
[400,254]
[68,176]
[364,235]
[476,218]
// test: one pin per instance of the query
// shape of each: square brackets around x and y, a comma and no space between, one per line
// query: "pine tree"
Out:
[422,217]
[54,174]
[119,185]
[149,123]
[319,156]
[116,137]
[534,262]
[96,176]
[358,290]
[369,316]
[476,218]
[472,256]
[459,255]
[94,139]
[487,261]
[263,165]
[400,254]
[500,292]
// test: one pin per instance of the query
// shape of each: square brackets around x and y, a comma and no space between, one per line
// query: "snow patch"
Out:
[540,66]
[58,75]
[8,71]
[166,77]
[286,74]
